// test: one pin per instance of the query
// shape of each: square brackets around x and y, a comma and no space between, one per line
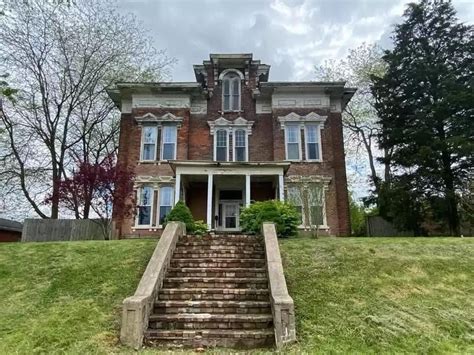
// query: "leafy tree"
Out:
[62,57]
[100,188]
[357,211]
[425,105]
[360,119]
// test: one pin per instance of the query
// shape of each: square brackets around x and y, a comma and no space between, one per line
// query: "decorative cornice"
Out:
[311,179]
[239,122]
[293,117]
[166,118]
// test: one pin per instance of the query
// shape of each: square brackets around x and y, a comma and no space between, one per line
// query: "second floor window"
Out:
[231,92]
[222,150]
[149,137]
[153,141]
[168,149]
[312,142]
[292,141]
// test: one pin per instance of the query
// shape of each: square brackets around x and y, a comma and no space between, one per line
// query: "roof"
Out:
[9,225]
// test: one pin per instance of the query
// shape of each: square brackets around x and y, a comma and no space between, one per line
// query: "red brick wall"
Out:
[266,143]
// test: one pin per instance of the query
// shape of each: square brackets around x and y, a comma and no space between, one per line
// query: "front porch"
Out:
[215,192]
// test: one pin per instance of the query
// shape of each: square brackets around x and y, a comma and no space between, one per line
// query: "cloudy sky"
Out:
[290,35]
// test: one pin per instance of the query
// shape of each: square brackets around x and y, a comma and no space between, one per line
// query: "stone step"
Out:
[222,245]
[216,272]
[210,321]
[217,262]
[210,338]
[222,238]
[215,307]
[242,254]
[215,282]
[230,249]
[195,294]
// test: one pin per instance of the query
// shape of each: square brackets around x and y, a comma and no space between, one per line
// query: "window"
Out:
[222,152]
[167,140]
[292,137]
[312,142]
[149,135]
[231,92]
[309,201]
[240,146]
[166,202]
[293,196]
[145,204]
[316,204]
[168,150]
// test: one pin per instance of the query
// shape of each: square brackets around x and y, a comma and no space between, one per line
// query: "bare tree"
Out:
[62,56]
[360,119]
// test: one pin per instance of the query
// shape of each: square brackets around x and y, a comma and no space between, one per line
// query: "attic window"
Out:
[231,92]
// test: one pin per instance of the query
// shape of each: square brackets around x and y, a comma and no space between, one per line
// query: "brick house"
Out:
[230,138]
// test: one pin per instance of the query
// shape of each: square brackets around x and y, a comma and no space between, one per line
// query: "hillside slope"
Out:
[351,295]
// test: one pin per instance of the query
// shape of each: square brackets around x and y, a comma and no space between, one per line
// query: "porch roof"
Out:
[251,166]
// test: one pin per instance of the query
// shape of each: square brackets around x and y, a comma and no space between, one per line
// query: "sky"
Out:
[290,35]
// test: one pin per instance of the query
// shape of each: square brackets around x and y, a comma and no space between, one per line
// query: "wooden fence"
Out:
[50,230]
[379,227]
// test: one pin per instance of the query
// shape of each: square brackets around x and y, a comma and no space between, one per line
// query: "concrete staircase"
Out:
[215,293]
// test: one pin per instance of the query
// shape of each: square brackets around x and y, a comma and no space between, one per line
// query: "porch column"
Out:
[281,187]
[210,183]
[247,190]
[177,188]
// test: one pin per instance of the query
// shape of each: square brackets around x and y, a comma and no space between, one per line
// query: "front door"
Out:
[230,216]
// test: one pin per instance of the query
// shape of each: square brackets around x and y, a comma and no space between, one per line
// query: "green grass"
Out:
[359,295]
[382,295]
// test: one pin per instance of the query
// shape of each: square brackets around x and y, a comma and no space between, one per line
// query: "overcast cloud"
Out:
[292,36]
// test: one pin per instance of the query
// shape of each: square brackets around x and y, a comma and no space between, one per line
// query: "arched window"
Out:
[231,92]
[222,151]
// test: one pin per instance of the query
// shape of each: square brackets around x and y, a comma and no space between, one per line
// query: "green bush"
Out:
[200,227]
[182,213]
[284,215]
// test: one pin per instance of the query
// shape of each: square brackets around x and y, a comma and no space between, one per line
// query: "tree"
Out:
[100,187]
[360,119]
[425,105]
[62,56]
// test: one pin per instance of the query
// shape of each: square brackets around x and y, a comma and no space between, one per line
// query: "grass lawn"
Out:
[359,295]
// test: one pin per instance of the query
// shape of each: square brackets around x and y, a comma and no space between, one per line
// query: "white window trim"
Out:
[227,130]
[163,142]
[159,225]
[318,132]
[152,210]
[142,143]
[300,150]
[246,158]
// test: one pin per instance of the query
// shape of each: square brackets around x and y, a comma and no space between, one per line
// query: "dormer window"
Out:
[231,82]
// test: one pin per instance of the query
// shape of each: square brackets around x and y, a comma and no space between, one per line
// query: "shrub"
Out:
[182,213]
[284,215]
[200,227]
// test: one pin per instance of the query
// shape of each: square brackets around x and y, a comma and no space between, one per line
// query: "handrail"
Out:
[282,304]
[137,308]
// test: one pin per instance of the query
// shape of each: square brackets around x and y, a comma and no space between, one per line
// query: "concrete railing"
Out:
[137,308]
[282,304]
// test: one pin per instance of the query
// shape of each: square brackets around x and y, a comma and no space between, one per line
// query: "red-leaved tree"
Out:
[99,188]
